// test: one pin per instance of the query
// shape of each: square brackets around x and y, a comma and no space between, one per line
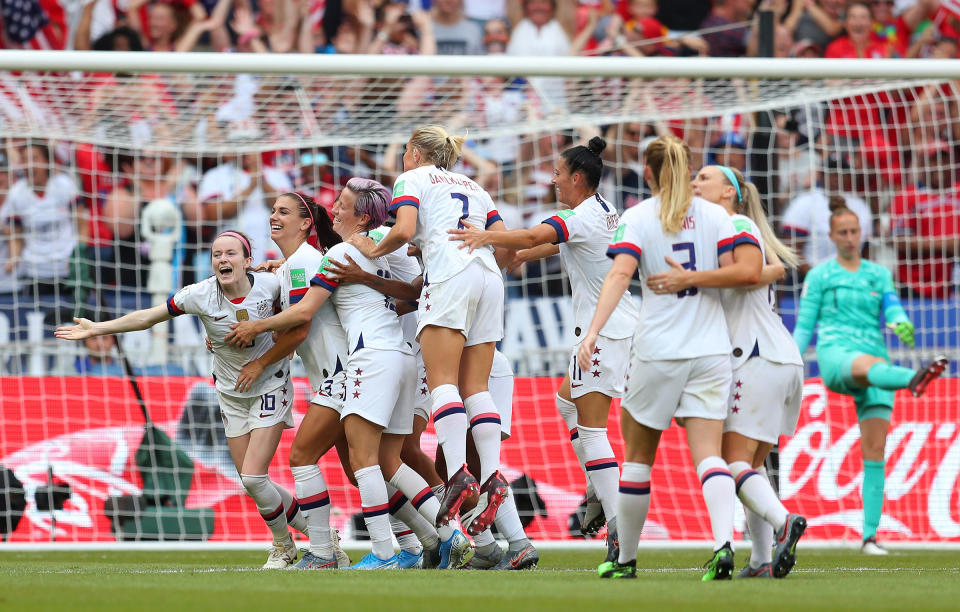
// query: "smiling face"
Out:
[345,219]
[287,222]
[859,22]
[564,183]
[845,234]
[228,261]
[711,185]
[540,12]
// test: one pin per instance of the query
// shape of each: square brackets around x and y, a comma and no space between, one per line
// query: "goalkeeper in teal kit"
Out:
[846,297]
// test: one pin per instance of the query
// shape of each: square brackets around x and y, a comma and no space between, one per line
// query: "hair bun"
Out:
[836,203]
[596,145]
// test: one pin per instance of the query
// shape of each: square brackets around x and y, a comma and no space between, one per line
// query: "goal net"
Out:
[112,185]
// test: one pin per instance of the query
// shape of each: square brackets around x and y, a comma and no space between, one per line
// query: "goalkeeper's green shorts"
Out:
[835,364]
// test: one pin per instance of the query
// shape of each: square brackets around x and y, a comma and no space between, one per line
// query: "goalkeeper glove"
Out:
[904,331]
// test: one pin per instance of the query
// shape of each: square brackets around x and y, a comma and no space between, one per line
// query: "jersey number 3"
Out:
[690,264]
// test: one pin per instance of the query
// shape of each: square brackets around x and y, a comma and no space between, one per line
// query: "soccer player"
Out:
[460,315]
[378,406]
[254,413]
[846,296]
[296,224]
[767,373]
[680,360]
[581,234]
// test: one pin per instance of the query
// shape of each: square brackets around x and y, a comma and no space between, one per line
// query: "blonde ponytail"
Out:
[669,160]
[750,206]
[437,146]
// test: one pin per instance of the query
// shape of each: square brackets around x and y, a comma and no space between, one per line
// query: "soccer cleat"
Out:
[455,552]
[342,559]
[281,555]
[431,557]
[764,571]
[613,569]
[525,558]
[492,494]
[480,561]
[927,374]
[371,561]
[613,546]
[870,547]
[408,560]
[593,519]
[310,561]
[461,487]
[720,567]
[785,552]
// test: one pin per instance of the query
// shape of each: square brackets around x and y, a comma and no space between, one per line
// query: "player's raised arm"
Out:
[135,321]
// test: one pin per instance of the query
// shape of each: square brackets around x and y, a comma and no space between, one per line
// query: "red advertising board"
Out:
[88,429]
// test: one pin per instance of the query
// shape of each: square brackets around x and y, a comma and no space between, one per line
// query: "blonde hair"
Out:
[437,145]
[750,206]
[668,158]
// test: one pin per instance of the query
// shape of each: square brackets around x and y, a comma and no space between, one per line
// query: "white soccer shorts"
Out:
[380,387]
[658,391]
[765,400]
[332,392]
[608,368]
[470,302]
[241,414]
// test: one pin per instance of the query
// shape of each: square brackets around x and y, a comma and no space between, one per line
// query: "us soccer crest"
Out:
[263,308]
[243,315]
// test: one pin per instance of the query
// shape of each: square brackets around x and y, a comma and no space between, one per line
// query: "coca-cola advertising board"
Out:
[87,430]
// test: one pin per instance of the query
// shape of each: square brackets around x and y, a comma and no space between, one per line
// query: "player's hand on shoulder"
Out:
[270,265]
[83,329]
[349,272]
[364,244]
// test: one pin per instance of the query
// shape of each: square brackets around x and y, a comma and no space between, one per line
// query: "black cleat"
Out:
[720,567]
[764,571]
[785,553]
[525,558]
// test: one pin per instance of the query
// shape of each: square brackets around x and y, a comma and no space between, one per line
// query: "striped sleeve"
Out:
[623,247]
[172,308]
[297,294]
[406,192]
[492,217]
[320,279]
[558,224]
[406,200]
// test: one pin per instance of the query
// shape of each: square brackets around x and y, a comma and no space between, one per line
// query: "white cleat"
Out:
[342,559]
[281,555]
[870,547]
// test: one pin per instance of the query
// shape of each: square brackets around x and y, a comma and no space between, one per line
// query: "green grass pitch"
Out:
[565,580]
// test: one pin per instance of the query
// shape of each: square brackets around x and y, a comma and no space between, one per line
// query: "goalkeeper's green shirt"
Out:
[847,305]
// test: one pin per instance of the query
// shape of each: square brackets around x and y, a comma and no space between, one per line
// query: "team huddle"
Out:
[395,306]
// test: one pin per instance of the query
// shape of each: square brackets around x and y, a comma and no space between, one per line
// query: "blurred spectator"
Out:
[895,32]
[38,214]
[806,48]
[728,41]
[454,33]
[730,149]
[806,223]
[403,33]
[482,11]
[99,360]
[925,223]
[859,41]
[145,177]
[623,163]
[8,272]
[821,22]
[496,36]
[545,29]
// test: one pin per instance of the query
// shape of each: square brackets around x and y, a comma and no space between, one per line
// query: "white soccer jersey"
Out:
[326,346]
[49,232]
[445,200]
[405,268]
[217,313]
[690,323]
[755,327]
[584,233]
[368,317]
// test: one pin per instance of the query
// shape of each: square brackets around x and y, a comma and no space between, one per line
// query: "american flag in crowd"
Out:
[22,19]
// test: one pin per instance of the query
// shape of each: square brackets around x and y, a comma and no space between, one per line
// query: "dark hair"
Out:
[322,226]
[586,159]
[838,208]
[108,42]
[39,146]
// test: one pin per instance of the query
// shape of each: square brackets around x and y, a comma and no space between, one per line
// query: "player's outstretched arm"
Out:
[135,321]
[614,285]
[474,238]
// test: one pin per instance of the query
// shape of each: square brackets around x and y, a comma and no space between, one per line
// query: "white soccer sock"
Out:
[719,493]
[633,504]
[754,490]
[568,410]
[401,509]
[315,507]
[485,538]
[601,467]
[291,507]
[416,489]
[269,504]
[373,502]
[439,490]
[508,522]
[485,429]
[406,538]
[761,539]
[450,423]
